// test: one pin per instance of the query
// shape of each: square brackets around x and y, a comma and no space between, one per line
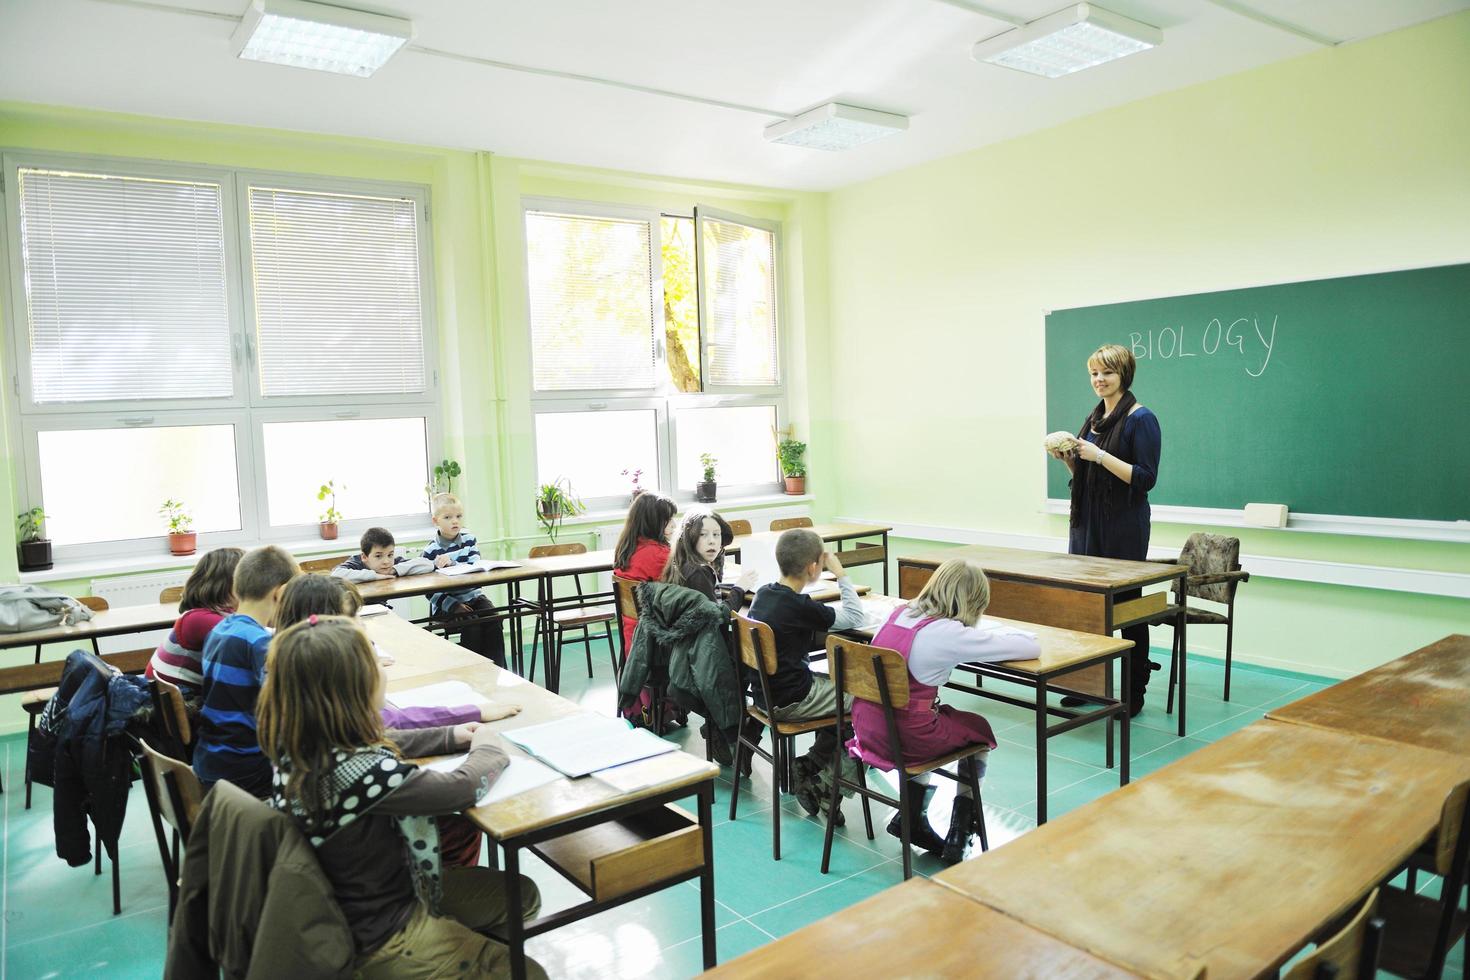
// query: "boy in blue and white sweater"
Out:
[452,544]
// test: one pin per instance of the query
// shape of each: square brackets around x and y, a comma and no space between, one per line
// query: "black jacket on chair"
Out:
[78,751]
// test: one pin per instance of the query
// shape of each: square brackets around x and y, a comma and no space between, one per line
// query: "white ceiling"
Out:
[781,56]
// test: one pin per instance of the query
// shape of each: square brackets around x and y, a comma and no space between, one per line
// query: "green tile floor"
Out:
[57,921]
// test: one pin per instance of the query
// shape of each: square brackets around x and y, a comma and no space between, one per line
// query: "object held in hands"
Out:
[1060,442]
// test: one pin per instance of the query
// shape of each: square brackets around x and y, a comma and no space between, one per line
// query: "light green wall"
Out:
[1345,161]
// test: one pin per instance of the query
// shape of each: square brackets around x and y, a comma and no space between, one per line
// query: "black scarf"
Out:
[1090,481]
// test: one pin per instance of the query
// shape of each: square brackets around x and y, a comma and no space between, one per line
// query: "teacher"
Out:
[1114,466]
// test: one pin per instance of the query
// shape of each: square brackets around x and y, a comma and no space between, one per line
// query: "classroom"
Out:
[1095,371]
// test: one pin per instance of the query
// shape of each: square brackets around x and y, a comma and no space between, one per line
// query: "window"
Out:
[654,340]
[225,338]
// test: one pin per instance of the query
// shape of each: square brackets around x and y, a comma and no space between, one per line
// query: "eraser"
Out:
[1266,515]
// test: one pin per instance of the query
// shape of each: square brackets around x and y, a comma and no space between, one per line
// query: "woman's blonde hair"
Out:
[957,590]
[1116,357]
[321,695]
[316,595]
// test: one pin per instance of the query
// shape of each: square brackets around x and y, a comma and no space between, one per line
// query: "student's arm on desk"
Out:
[431,793]
[946,643]
[416,565]
[850,610]
[355,574]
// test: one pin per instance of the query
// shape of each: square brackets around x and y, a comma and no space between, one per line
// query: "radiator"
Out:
[135,590]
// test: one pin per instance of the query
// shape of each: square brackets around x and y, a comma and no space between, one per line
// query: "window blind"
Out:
[738,296]
[337,293]
[592,304]
[125,287]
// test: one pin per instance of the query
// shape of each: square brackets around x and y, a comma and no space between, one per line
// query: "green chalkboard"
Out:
[1339,396]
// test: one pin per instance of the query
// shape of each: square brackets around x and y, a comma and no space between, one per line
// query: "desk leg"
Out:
[1183,654]
[1108,693]
[707,876]
[513,605]
[885,563]
[515,937]
[1123,719]
[1041,724]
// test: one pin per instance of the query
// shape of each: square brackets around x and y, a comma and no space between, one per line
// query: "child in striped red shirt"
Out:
[209,596]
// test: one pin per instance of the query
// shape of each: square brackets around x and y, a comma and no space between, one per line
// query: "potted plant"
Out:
[793,464]
[332,516]
[181,537]
[35,548]
[555,501]
[444,475]
[704,491]
[636,476]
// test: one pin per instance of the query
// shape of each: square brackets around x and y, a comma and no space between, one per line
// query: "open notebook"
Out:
[585,743]
[437,696]
[519,777]
[483,565]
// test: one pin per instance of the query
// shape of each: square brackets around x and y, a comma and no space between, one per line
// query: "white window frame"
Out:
[246,409]
[663,398]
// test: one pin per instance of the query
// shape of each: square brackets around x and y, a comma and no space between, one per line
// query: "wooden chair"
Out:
[1214,575]
[320,566]
[625,600]
[573,613]
[881,676]
[171,717]
[757,646]
[1421,930]
[786,523]
[1352,954]
[174,797]
[171,595]
[739,527]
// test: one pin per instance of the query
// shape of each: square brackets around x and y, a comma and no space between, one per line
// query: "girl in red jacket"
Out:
[641,554]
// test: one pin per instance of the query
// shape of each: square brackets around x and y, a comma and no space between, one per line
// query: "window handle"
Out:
[237,351]
[136,420]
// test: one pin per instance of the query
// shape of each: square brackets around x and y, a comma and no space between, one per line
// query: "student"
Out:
[209,596]
[370,815]
[452,544]
[798,622]
[234,668]
[640,556]
[322,595]
[934,633]
[697,560]
[378,559]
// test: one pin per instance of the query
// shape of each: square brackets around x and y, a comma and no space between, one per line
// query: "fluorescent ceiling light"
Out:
[303,34]
[1081,36]
[836,127]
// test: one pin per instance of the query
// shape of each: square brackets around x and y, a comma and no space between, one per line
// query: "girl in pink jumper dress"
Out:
[934,633]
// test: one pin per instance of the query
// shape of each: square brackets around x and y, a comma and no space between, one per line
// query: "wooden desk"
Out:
[838,533]
[613,833]
[1062,652]
[108,622]
[1233,856]
[919,928]
[1420,699]
[1075,592]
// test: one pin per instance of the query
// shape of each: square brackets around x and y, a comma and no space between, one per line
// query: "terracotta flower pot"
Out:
[183,543]
[329,530]
[35,556]
[796,484]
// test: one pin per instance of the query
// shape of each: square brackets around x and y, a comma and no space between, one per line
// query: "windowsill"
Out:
[80,569]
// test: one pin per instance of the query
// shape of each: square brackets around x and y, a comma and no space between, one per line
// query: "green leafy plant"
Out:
[444,475]
[179,520]
[708,462]
[793,457]
[28,525]
[555,501]
[329,491]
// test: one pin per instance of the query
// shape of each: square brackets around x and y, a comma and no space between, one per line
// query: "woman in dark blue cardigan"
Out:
[1114,466]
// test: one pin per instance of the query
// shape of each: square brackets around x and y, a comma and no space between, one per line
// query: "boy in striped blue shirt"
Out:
[233,666]
[452,544]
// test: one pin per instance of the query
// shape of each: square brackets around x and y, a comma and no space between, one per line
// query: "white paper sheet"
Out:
[373,609]
[585,743]
[476,566]
[519,777]
[437,696]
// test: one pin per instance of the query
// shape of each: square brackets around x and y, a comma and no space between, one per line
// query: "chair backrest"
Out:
[859,666]
[741,526]
[93,602]
[786,523]
[171,595]
[1349,955]
[172,716]
[1452,827]
[176,789]
[320,565]
[1211,554]
[757,645]
[625,591]
[552,550]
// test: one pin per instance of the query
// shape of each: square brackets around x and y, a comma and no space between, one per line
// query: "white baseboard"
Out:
[1374,527]
[1419,581]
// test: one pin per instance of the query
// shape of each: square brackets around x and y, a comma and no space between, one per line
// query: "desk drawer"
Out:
[1141,608]
[863,554]
[613,859]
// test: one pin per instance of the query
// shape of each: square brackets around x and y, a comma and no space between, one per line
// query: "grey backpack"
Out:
[30,607]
